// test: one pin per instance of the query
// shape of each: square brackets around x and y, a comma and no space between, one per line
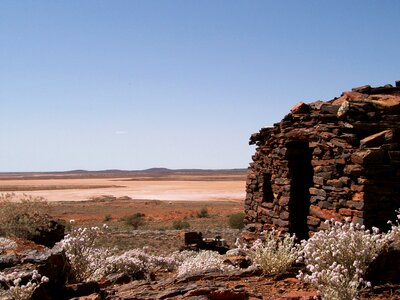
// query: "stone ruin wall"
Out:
[327,160]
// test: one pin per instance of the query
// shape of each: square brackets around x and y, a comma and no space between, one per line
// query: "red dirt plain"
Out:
[158,193]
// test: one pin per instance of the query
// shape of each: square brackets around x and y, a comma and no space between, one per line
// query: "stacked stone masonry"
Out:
[327,160]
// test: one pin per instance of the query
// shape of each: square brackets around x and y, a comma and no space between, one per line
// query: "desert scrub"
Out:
[201,262]
[15,290]
[180,224]
[6,244]
[133,262]
[107,218]
[89,262]
[203,213]
[274,253]
[80,249]
[134,220]
[22,215]
[337,258]
[393,234]
[236,221]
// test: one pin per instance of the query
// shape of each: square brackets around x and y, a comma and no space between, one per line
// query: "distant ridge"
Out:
[79,173]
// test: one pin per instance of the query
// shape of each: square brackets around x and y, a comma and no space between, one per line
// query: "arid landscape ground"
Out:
[162,197]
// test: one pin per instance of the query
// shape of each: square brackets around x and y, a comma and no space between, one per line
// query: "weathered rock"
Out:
[385,268]
[80,289]
[49,234]
[238,261]
[51,263]
[300,108]
[377,139]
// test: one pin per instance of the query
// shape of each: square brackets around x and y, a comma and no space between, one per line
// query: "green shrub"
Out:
[236,221]
[107,218]
[180,224]
[134,220]
[22,215]
[203,213]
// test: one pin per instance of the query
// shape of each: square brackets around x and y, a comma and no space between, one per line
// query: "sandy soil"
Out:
[85,189]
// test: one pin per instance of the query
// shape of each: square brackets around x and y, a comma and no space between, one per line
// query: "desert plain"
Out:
[163,196]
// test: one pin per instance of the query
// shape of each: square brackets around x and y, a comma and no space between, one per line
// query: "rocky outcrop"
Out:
[51,263]
[50,233]
[326,160]
[385,268]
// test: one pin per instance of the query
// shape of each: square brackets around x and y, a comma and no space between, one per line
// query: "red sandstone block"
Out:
[313,221]
[346,212]
[284,215]
[283,200]
[360,196]
[357,188]
[324,214]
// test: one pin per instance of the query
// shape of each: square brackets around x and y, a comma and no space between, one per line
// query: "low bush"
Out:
[394,233]
[15,290]
[90,263]
[134,220]
[236,221]
[180,224]
[201,262]
[275,253]
[337,258]
[203,213]
[6,244]
[84,257]
[107,218]
[22,215]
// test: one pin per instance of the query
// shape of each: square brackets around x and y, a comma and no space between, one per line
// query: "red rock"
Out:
[376,139]
[346,212]
[370,156]
[300,108]
[358,196]
[323,213]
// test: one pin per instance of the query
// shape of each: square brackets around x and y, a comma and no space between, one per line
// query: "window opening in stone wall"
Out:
[301,174]
[268,196]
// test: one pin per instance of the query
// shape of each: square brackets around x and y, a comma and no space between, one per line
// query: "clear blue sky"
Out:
[180,84]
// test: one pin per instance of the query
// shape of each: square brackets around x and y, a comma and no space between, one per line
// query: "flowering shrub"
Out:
[338,257]
[6,244]
[18,291]
[394,233]
[84,257]
[91,263]
[275,253]
[132,262]
[200,262]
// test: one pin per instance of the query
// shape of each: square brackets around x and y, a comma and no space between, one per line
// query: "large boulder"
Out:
[23,261]
[385,268]
[50,233]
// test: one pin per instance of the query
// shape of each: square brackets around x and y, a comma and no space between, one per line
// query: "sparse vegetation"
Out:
[16,290]
[21,216]
[274,253]
[180,224]
[236,221]
[338,257]
[203,213]
[134,220]
[107,218]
